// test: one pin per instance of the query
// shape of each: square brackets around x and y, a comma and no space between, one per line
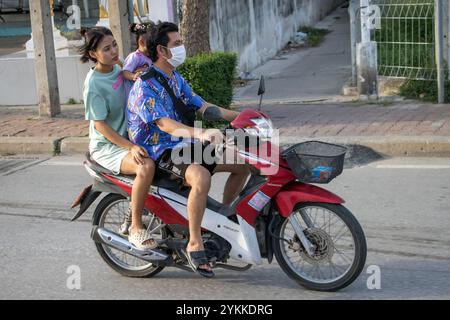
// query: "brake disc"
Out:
[323,243]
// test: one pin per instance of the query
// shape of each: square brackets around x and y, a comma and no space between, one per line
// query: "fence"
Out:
[406,39]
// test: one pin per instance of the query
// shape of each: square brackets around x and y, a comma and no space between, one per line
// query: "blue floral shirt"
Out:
[148,102]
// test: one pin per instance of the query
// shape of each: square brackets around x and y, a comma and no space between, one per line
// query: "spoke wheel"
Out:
[339,244]
[110,214]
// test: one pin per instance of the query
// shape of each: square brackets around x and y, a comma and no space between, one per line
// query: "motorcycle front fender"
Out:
[298,192]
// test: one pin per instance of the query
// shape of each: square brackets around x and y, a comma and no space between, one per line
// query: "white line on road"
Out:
[419,167]
[62,163]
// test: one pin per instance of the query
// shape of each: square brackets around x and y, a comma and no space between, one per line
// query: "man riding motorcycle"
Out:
[161,112]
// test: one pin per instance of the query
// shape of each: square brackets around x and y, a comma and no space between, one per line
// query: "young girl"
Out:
[105,101]
[138,61]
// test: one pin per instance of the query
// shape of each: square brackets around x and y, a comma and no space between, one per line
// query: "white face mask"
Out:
[178,56]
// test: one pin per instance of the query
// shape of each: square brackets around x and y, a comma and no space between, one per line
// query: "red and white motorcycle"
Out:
[314,238]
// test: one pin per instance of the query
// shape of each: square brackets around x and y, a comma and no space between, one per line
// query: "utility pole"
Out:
[45,61]
[439,35]
[366,57]
[355,23]
[118,21]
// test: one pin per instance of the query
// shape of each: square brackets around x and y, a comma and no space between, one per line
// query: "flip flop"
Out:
[139,239]
[197,259]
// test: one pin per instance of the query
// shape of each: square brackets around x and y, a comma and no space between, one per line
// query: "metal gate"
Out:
[406,39]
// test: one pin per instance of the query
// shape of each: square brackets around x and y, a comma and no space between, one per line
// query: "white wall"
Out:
[160,10]
[19,80]
[258,29]
[255,29]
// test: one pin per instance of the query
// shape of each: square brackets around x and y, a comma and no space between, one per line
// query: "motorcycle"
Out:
[316,241]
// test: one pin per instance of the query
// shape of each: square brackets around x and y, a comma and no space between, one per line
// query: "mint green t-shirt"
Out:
[104,99]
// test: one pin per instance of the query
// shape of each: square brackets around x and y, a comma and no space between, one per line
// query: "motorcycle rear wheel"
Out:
[337,260]
[121,262]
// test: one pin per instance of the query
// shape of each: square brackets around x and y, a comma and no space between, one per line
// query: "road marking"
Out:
[419,167]
[9,166]
[63,163]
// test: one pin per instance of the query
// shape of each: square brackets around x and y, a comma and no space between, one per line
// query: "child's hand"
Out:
[139,72]
[141,69]
[137,75]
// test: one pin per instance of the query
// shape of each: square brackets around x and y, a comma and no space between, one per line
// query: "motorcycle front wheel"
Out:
[340,248]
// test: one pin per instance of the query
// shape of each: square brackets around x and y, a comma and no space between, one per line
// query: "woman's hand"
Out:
[138,154]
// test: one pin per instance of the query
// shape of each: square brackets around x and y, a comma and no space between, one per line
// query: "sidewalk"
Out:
[401,129]
[302,98]
[23,132]
[308,74]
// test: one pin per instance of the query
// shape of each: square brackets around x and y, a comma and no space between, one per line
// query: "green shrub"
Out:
[424,90]
[72,101]
[315,35]
[211,76]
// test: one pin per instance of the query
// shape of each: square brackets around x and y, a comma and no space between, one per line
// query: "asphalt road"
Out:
[402,204]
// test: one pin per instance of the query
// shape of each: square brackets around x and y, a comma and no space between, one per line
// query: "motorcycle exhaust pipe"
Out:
[113,240]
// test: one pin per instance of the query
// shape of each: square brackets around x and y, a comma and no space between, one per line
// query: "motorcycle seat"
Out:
[163,181]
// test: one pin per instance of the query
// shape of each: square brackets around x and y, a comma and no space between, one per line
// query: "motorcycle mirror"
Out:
[262,86]
[261,90]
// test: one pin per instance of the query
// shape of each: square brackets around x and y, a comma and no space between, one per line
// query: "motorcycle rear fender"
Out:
[91,193]
[298,192]
[85,199]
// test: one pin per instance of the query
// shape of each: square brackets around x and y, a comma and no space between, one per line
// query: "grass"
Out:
[72,101]
[398,45]
[424,90]
[315,35]
[71,35]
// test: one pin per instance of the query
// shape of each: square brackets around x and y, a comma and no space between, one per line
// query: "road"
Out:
[403,205]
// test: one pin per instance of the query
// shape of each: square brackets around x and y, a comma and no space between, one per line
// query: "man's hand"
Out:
[138,153]
[214,136]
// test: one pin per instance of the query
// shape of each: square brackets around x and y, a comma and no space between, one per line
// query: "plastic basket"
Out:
[315,161]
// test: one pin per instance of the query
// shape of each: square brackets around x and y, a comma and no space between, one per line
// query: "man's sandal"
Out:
[197,259]
[142,240]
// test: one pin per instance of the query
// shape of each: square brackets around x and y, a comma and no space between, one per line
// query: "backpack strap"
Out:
[186,114]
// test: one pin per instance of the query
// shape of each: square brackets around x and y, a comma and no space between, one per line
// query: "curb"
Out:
[398,146]
[28,145]
[74,145]
[43,145]
[249,103]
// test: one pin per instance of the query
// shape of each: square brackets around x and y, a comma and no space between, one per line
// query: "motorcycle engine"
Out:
[216,248]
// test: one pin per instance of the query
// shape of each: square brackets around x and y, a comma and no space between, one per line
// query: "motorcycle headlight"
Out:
[263,128]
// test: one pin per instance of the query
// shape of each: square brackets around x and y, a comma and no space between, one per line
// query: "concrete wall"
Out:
[161,10]
[255,29]
[258,29]
[19,80]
